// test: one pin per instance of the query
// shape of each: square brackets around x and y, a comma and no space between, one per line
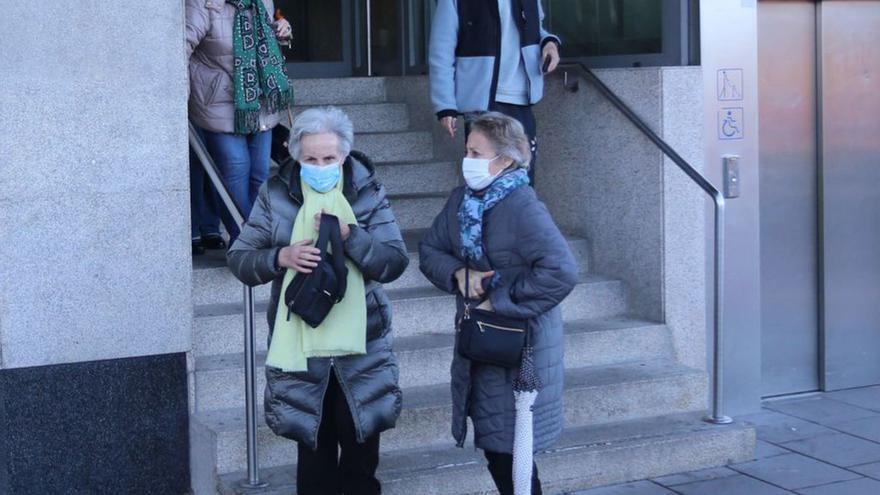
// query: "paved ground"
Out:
[827,444]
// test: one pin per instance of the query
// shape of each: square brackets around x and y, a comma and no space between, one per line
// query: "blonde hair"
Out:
[507,136]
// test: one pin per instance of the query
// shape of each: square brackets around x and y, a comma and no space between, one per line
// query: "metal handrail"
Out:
[250,357]
[369,5]
[716,416]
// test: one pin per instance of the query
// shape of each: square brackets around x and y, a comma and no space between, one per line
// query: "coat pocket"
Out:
[473,82]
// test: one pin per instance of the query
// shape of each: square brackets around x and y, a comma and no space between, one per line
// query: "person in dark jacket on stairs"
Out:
[490,55]
[332,389]
[520,266]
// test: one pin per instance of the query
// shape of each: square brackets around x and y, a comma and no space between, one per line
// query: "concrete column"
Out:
[93,182]
[95,279]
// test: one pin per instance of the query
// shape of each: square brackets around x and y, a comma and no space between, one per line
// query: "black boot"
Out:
[198,248]
[213,241]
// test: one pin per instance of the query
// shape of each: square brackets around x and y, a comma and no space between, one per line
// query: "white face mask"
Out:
[476,172]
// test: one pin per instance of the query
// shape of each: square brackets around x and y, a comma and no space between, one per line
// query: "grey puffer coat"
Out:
[537,269]
[370,382]
[209,25]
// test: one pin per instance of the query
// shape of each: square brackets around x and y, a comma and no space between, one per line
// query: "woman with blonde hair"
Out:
[497,248]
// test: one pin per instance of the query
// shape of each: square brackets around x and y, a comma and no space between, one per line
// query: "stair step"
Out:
[413,146]
[593,396]
[425,360]
[371,117]
[213,283]
[585,457]
[217,328]
[338,91]
[419,178]
[417,211]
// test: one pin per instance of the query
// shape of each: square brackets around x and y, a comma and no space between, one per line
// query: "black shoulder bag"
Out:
[311,296]
[488,337]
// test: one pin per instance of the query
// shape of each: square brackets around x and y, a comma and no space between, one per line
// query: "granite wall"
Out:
[93,180]
[644,219]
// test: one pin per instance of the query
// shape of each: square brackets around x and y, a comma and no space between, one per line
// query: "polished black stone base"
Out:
[104,427]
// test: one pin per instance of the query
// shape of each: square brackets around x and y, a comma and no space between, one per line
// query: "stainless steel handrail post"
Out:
[250,385]
[250,357]
[717,416]
[369,4]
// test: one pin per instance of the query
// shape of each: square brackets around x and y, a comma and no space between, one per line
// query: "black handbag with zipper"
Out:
[311,296]
[487,337]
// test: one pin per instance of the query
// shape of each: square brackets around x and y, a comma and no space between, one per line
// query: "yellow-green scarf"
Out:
[344,331]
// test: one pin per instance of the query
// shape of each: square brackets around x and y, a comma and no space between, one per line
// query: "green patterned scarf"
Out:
[259,73]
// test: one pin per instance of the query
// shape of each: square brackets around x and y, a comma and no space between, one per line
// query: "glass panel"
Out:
[317,30]
[420,14]
[387,37]
[593,28]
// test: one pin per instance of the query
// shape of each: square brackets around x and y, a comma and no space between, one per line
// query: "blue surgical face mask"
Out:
[321,178]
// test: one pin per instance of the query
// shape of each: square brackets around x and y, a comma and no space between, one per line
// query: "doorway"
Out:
[322,37]
[345,38]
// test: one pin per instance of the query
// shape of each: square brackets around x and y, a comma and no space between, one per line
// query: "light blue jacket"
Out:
[465,47]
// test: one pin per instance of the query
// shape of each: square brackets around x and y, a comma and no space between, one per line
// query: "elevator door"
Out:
[789,197]
[851,192]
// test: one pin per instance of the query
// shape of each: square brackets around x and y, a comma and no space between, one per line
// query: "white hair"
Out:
[320,120]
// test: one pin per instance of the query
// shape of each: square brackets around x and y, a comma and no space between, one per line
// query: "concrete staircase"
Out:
[631,410]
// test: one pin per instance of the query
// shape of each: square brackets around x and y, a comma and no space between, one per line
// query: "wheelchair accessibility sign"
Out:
[730,124]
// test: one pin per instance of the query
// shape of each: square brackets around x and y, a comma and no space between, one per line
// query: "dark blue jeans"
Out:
[243,160]
[203,201]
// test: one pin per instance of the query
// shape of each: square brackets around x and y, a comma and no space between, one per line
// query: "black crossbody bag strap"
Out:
[324,236]
[332,224]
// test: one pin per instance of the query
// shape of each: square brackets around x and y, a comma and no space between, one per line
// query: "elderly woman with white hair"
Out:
[332,389]
[497,248]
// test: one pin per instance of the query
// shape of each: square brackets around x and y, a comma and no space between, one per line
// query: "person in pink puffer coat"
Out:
[236,122]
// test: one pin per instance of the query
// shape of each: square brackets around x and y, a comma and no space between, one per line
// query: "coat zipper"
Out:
[483,327]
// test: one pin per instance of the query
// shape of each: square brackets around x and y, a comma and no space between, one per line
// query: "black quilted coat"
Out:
[370,382]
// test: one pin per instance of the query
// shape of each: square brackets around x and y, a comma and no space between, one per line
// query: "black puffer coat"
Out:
[370,382]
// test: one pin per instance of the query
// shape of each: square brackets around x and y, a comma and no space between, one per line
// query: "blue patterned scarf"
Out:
[473,207]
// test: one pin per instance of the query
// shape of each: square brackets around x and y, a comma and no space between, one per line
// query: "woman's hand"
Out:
[486,305]
[476,282]
[301,256]
[551,52]
[343,227]
[283,29]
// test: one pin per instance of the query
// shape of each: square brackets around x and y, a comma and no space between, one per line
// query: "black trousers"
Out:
[525,116]
[341,465]
[501,469]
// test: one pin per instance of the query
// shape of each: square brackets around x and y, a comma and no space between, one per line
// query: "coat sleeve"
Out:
[546,36]
[377,247]
[252,257]
[437,258]
[197,24]
[441,57]
[551,272]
